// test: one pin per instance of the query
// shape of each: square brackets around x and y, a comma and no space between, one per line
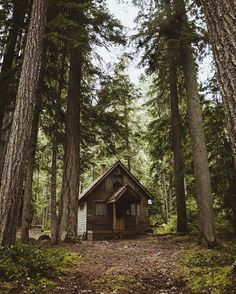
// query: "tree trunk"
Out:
[127,143]
[232,185]
[177,144]
[19,9]
[17,21]
[54,226]
[221,20]
[14,166]
[5,133]
[201,167]
[58,117]
[46,210]
[70,183]
[26,211]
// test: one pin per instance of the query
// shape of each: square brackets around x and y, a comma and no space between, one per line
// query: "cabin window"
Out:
[138,209]
[100,208]
[133,209]
[117,182]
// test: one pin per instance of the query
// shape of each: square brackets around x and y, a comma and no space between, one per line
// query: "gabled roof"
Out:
[122,191]
[95,183]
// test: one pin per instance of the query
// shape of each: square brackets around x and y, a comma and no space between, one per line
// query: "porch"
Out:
[125,209]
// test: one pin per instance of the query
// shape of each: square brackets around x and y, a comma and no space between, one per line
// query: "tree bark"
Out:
[54,222]
[221,20]
[70,183]
[127,142]
[58,117]
[14,166]
[17,21]
[177,143]
[19,9]
[27,200]
[201,167]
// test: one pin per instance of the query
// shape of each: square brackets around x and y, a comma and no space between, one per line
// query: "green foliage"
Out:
[209,271]
[33,266]
[167,228]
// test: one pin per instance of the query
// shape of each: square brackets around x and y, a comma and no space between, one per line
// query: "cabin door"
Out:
[119,217]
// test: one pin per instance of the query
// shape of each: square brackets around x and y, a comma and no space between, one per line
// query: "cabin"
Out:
[115,205]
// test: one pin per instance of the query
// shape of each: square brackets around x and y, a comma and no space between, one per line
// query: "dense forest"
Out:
[66,109]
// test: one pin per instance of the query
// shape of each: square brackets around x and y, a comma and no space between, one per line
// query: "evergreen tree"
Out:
[14,166]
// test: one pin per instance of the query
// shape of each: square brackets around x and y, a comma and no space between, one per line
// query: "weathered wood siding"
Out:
[82,219]
[104,191]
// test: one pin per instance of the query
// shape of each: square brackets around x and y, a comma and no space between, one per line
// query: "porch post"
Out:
[114,215]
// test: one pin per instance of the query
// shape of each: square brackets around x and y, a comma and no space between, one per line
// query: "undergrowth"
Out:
[210,270]
[32,267]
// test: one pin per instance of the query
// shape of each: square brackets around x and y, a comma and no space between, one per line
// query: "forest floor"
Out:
[143,265]
[150,264]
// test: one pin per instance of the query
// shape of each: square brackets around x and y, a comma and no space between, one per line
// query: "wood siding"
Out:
[82,219]
[102,193]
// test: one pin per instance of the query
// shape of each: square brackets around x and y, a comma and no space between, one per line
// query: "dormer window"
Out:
[117,182]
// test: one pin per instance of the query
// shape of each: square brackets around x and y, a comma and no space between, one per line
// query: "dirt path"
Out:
[144,265]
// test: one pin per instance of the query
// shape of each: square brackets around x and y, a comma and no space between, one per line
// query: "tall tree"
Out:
[14,166]
[27,199]
[176,131]
[70,184]
[201,167]
[221,19]
[7,73]
[162,55]
[54,220]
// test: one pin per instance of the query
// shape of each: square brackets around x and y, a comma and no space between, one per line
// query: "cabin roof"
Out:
[95,183]
[122,191]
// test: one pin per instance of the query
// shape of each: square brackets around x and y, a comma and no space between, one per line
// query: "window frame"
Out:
[138,209]
[133,209]
[117,181]
[101,203]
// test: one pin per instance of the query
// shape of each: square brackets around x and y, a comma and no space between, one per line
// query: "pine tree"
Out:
[13,171]
[221,19]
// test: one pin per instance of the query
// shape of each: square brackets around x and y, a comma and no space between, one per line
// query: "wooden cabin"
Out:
[116,204]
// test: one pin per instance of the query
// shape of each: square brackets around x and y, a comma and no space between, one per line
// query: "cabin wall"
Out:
[102,193]
[97,222]
[82,218]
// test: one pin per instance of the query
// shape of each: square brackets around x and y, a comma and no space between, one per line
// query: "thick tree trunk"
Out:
[177,145]
[221,20]
[27,200]
[70,184]
[14,166]
[58,117]
[201,167]
[5,133]
[54,222]
[17,22]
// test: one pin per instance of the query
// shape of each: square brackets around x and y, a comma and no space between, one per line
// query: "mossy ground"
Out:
[115,283]
[210,270]
[170,263]
[33,268]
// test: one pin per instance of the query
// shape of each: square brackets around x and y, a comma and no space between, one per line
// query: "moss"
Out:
[32,267]
[115,283]
[208,270]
